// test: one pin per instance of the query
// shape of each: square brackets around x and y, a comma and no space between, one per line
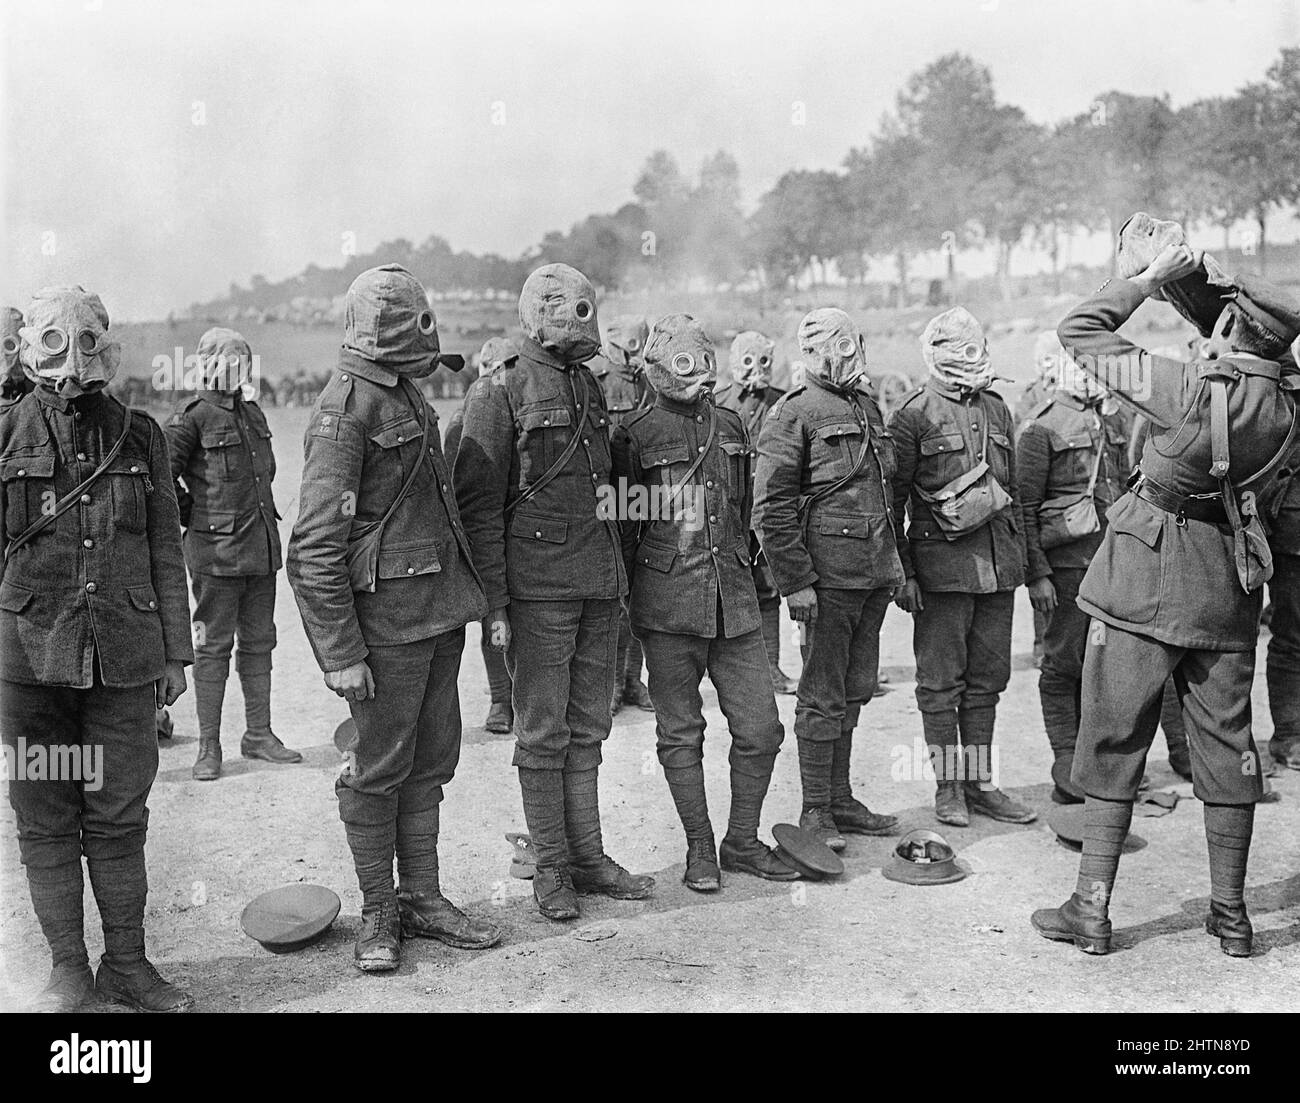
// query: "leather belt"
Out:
[1208,508]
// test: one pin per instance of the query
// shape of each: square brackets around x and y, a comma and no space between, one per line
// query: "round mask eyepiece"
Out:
[747,360]
[683,363]
[53,341]
[582,310]
[87,342]
[972,352]
[846,346]
[10,345]
[764,360]
[633,344]
[425,323]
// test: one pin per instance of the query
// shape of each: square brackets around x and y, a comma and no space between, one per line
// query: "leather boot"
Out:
[554,892]
[70,987]
[950,804]
[594,871]
[207,767]
[267,746]
[429,914]
[852,817]
[209,693]
[755,858]
[636,693]
[702,873]
[1232,926]
[995,804]
[500,718]
[1078,920]
[379,944]
[821,823]
[125,975]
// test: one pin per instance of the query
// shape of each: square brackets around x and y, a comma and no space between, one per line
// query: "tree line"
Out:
[949,168]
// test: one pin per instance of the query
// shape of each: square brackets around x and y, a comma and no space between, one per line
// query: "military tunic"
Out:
[91,611]
[1163,591]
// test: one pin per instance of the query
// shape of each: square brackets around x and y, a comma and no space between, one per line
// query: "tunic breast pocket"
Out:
[999,457]
[129,484]
[1073,461]
[886,453]
[223,453]
[29,490]
[943,458]
[738,460]
[263,456]
[543,435]
[834,447]
[396,447]
[665,464]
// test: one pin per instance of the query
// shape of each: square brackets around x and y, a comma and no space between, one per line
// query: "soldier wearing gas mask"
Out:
[693,602]
[1176,587]
[1071,465]
[532,463]
[751,394]
[14,383]
[223,464]
[495,354]
[620,370]
[964,556]
[822,512]
[385,583]
[94,636]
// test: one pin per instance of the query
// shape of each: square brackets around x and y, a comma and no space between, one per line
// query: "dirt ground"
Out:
[860,942]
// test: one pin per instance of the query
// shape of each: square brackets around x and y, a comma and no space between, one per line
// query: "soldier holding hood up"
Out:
[94,636]
[222,460]
[1176,587]
[822,511]
[532,463]
[693,601]
[751,394]
[964,556]
[382,572]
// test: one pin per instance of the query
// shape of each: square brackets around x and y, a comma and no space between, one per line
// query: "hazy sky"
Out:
[159,150]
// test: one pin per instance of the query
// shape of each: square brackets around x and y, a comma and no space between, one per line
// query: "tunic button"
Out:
[134,469]
[81,456]
[713,519]
[444,488]
[153,605]
[345,377]
[88,543]
[410,570]
[700,448]
[538,534]
[212,528]
[586,441]
[76,414]
[844,531]
[546,421]
[715,549]
[85,498]
[22,471]
[255,454]
[400,438]
[699,417]
[91,587]
[709,484]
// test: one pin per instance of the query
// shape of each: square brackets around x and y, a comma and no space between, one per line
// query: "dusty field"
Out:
[861,942]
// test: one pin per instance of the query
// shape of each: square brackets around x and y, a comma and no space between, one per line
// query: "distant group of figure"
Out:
[600,503]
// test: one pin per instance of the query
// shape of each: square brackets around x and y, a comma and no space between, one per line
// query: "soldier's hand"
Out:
[353,683]
[499,630]
[1042,596]
[1173,263]
[170,686]
[803,606]
[909,598]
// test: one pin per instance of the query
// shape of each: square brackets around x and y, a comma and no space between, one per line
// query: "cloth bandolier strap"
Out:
[537,486]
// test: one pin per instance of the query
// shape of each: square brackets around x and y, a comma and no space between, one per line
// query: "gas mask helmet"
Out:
[625,341]
[226,361]
[11,321]
[679,358]
[495,354]
[387,320]
[750,360]
[65,344]
[956,352]
[557,309]
[833,348]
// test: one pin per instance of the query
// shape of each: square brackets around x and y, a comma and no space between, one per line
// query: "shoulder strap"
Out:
[699,459]
[538,485]
[1219,444]
[1096,463]
[404,493]
[74,495]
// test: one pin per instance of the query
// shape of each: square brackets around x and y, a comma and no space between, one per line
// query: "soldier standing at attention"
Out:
[1071,465]
[532,463]
[822,511]
[751,394]
[495,354]
[381,570]
[223,465]
[1176,586]
[94,636]
[620,371]
[693,603]
[964,556]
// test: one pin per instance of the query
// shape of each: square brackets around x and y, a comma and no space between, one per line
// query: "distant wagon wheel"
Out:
[891,389]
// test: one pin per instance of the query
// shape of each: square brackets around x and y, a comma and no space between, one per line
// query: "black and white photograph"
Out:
[655,507]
